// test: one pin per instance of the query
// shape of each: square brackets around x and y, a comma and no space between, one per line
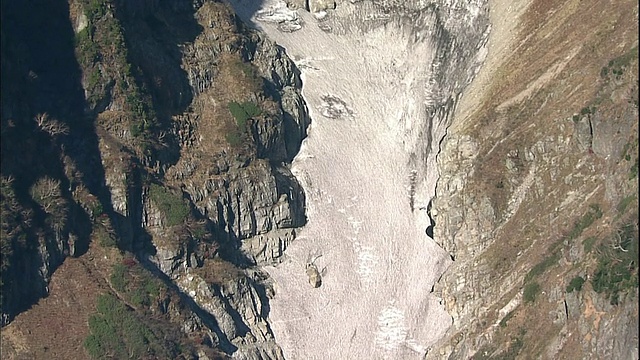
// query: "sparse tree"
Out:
[51,126]
[46,192]
[617,243]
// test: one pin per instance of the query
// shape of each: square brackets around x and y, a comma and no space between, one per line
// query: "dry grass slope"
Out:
[570,60]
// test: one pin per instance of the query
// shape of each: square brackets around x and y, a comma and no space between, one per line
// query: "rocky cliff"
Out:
[192,120]
[537,199]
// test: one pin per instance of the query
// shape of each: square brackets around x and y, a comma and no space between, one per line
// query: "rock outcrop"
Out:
[252,204]
[523,197]
[200,191]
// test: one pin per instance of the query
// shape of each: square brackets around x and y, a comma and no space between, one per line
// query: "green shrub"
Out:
[104,35]
[95,9]
[592,214]
[243,112]
[625,149]
[134,283]
[506,318]
[87,50]
[575,284]
[136,128]
[97,209]
[105,239]
[622,205]
[139,297]
[588,243]
[172,206]
[150,286]
[531,291]
[116,332]
[629,239]
[611,279]
[542,266]
[199,232]
[119,277]
[633,171]
[103,339]
[234,138]
[140,108]
[621,62]
[617,269]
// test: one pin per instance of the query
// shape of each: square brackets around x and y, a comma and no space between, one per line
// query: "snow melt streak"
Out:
[364,93]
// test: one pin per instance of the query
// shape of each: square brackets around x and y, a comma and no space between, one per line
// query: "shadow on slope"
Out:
[41,76]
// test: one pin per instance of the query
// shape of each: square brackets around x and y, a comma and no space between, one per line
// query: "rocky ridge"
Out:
[254,205]
[200,194]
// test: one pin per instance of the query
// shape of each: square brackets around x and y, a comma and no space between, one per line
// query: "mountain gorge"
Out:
[319,179]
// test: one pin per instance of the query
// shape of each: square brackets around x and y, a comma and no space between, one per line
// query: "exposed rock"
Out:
[316,6]
[268,248]
[250,201]
[510,193]
[584,133]
[252,204]
[296,4]
[240,313]
[509,210]
[284,79]
[315,279]
[286,18]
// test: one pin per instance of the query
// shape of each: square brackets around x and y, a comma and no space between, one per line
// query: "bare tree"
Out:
[51,126]
[617,243]
[46,192]
[161,139]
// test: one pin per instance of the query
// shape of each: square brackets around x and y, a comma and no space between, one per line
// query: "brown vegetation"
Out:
[558,71]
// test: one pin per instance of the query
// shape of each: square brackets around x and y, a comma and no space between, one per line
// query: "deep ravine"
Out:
[380,86]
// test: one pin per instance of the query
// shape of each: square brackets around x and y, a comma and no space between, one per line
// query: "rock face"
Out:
[169,171]
[516,210]
[200,191]
[240,312]
[252,205]
[41,219]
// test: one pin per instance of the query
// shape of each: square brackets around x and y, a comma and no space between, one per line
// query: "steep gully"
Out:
[381,85]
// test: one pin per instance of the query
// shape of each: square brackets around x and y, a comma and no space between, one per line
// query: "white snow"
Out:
[366,95]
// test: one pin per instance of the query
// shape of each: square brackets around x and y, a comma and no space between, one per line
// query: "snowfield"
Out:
[366,96]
